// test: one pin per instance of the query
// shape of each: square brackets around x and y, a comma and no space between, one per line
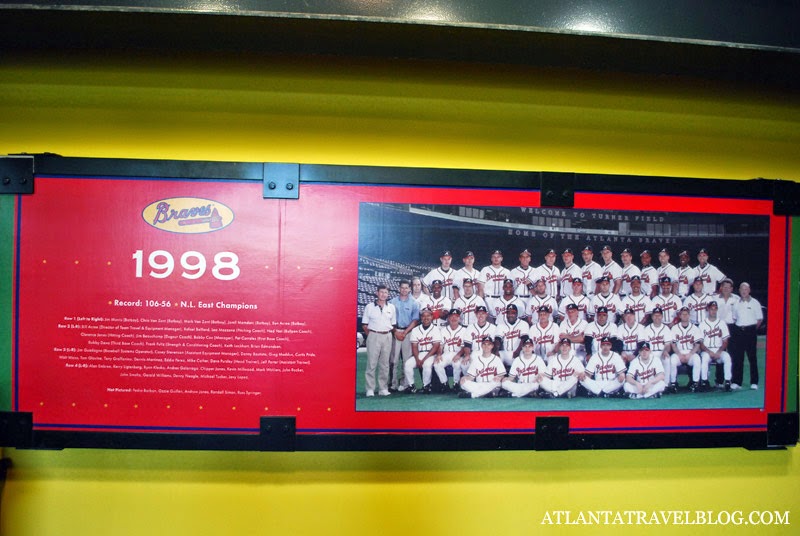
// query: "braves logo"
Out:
[605,370]
[527,372]
[563,373]
[487,373]
[645,375]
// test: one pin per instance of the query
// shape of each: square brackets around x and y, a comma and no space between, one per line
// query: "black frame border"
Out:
[279,433]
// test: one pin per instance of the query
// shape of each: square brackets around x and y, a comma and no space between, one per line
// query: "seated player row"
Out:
[435,348]
[527,308]
[490,280]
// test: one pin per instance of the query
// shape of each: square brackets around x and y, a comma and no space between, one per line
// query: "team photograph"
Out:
[464,308]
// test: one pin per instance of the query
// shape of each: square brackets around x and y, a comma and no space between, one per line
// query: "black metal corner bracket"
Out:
[783,429]
[786,198]
[281,181]
[16,429]
[278,434]
[16,174]
[552,433]
[558,189]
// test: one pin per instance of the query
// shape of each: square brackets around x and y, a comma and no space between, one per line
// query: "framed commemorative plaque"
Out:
[216,305]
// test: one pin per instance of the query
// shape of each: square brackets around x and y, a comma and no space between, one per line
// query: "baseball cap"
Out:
[527,341]
[512,307]
[507,280]
[565,341]
[601,279]
[497,252]
[683,253]
[544,309]
[426,310]
[628,251]
[454,311]
[698,279]
[549,251]
[602,309]
[577,280]
[468,254]
[587,248]
[645,344]
[629,311]
[481,308]
[605,340]
[567,250]
[606,248]
[684,308]
[446,253]
[645,252]
[664,250]
[635,278]
[712,303]
[525,252]
[484,339]
[727,280]
[572,307]
[703,250]
[658,310]
[665,279]
[435,281]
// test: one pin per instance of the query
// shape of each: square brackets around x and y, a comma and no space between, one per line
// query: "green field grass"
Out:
[715,399]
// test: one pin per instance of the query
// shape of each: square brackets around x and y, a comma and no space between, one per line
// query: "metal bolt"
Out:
[290,186]
[272,185]
[6,181]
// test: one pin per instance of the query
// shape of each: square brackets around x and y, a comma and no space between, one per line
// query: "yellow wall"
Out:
[396,114]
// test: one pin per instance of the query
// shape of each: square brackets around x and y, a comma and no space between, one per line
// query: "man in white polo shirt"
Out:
[378,321]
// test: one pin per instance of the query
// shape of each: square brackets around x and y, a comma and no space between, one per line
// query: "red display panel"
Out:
[192,305]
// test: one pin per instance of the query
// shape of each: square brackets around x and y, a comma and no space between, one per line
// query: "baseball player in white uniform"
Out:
[523,276]
[499,306]
[605,372]
[452,349]
[544,334]
[668,302]
[697,302]
[629,271]
[550,273]
[686,275]
[563,373]
[569,273]
[467,272]
[686,349]
[476,331]
[445,274]
[605,298]
[468,302]
[631,333]
[510,334]
[590,272]
[578,299]
[611,269]
[426,341]
[711,275]
[649,274]
[638,301]
[492,277]
[714,346]
[645,377]
[659,336]
[599,328]
[485,373]
[540,298]
[526,373]
[573,327]
[438,303]
[667,270]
